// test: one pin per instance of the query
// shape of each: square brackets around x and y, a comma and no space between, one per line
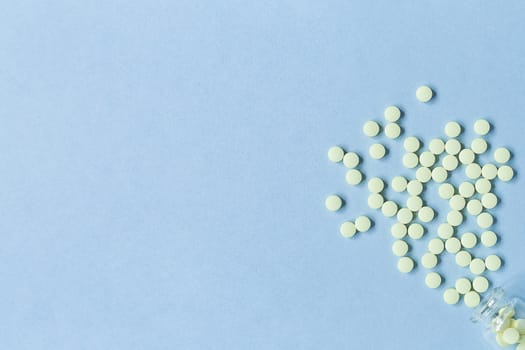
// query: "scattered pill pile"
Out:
[473,197]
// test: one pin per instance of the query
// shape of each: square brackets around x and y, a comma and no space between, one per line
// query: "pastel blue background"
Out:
[164,168]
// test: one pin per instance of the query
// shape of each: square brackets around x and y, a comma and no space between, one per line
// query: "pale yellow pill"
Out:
[416,231]
[399,184]
[410,160]
[377,151]
[452,129]
[472,299]
[480,284]
[481,127]
[439,174]
[445,230]
[375,200]
[436,146]
[363,223]
[414,187]
[489,171]
[511,336]
[450,162]
[426,214]
[466,156]
[392,113]
[436,246]
[477,266]
[453,146]
[392,130]
[500,341]
[453,245]
[371,128]
[398,230]
[469,240]
[502,155]
[353,177]
[333,202]
[389,209]
[463,285]
[400,248]
[411,144]
[423,174]
[519,324]
[347,229]
[474,207]
[376,185]
[335,154]
[405,264]
[446,191]
[473,171]
[505,173]
[463,258]
[414,203]
[424,93]
[433,280]
[483,186]
[485,220]
[454,218]
[479,146]
[427,159]
[451,296]
[405,215]
[489,239]
[457,202]
[493,262]
[429,260]
[351,160]
[466,189]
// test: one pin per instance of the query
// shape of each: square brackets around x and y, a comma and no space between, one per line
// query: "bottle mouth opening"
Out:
[489,306]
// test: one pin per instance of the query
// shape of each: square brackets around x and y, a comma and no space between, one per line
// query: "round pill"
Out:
[473,171]
[414,203]
[493,262]
[452,129]
[429,260]
[463,258]
[451,296]
[392,130]
[371,128]
[347,229]
[479,146]
[454,218]
[410,160]
[404,215]
[501,155]
[445,230]
[472,299]
[333,202]
[481,127]
[433,280]
[446,191]
[483,186]
[474,207]
[439,174]
[489,239]
[363,223]
[400,248]
[392,113]
[500,341]
[511,336]
[389,209]
[489,171]
[453,245]
[411,144]
[423,174]
[375,200]
[485,220]
[463,285]
[405,264]
[466,156]
[399,183]
[466,189]
[436,146]
[427,159]
[505,173]
[457,202]
[469,240]
[398,230]
[414,187]
[426,214]
[519,324]
[377,151]
[424,93]
[416,231]
[453,146]
[477,266]
[351,160]
[450,162]
[376,185]
[480,284]
[436,246]
[335,154]
[353,177]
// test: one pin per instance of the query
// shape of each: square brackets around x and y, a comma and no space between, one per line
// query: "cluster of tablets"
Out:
[510,331]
